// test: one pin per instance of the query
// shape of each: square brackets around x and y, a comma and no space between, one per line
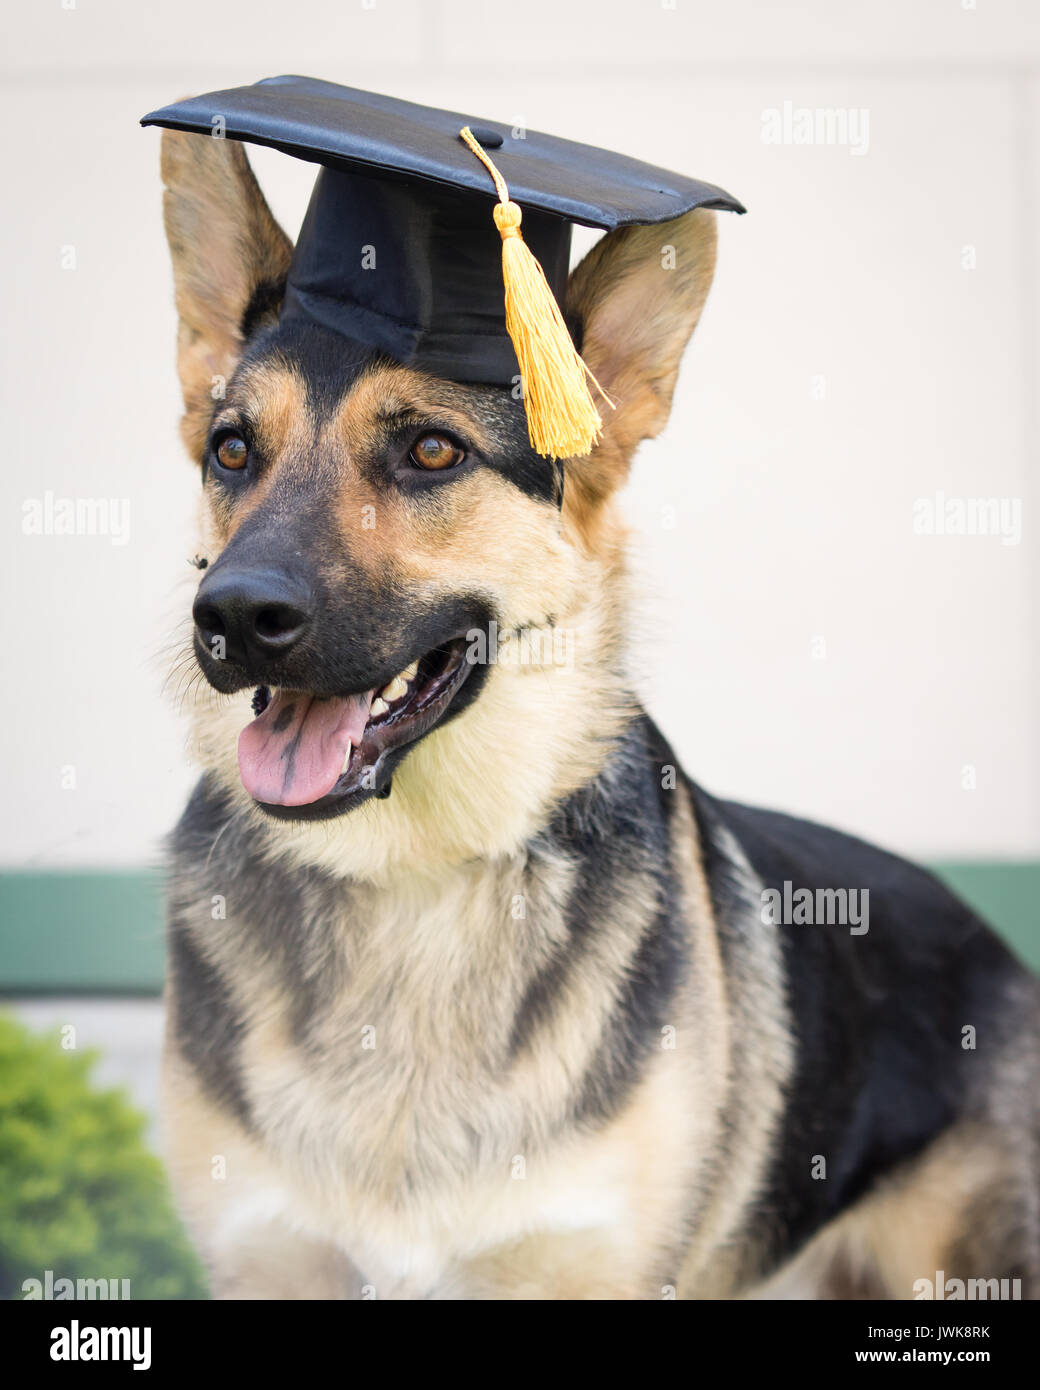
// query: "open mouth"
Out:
[309,757]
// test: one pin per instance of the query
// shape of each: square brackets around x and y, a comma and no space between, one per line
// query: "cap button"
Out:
[490,139]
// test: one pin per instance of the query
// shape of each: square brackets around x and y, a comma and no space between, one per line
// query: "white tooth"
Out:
[378,707]
[395,689]
[346,760]
[410,672]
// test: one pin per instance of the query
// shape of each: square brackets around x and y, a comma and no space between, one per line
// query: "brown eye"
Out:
[435,451]
[232,451]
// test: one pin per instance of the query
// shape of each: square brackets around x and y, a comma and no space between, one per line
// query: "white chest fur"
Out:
[398,1119]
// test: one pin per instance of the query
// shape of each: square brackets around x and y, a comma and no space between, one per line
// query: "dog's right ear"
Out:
[230,261]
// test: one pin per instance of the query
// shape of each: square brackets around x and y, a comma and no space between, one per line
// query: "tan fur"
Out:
[917,1222]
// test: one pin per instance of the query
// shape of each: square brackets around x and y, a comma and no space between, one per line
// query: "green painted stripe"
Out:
[81,932]
[1007,895]
[98,932]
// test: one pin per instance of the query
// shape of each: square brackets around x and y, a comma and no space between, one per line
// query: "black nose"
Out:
[251,616]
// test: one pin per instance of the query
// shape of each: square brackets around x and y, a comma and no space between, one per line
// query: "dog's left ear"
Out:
[230,261]
[636,298]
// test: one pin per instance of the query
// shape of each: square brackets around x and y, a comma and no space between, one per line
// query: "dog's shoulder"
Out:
[909,918]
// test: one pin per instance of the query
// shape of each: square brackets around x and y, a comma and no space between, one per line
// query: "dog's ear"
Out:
[636,298]
[230,260]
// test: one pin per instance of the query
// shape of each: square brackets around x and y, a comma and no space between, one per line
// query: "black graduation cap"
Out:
[398,252]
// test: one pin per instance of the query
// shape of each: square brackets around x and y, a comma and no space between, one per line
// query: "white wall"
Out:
[791,516]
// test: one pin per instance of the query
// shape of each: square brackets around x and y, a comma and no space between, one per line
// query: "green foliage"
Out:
[80,1194]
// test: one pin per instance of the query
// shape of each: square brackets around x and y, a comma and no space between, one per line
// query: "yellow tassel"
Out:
[562,420]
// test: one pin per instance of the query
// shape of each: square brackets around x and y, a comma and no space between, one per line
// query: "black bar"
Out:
[722,1339]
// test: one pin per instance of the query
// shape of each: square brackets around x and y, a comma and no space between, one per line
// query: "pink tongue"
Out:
[293,753]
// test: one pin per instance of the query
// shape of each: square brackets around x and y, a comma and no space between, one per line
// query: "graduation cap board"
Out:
[413,189]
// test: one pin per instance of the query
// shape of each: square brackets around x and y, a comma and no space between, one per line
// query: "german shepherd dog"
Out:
[472,994]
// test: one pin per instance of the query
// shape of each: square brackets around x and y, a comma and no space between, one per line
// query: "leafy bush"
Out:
[80,1194]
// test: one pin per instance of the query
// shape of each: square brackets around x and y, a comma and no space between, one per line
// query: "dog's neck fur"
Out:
[325,954]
